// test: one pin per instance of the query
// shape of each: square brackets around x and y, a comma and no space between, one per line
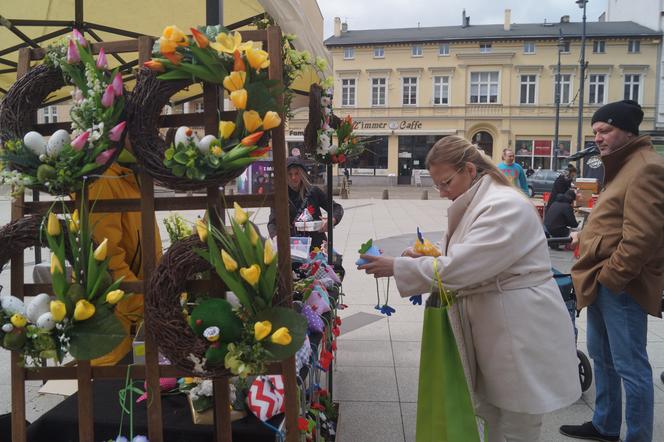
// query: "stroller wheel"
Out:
[585,371]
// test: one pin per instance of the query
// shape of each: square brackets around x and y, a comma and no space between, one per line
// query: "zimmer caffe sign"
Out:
[390,125]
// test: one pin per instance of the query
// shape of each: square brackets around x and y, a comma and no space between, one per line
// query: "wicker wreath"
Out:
[21,234]
[143,111]
[21,103]
[177,341]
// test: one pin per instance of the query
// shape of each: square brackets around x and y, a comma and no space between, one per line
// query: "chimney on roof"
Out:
[344,27]
[463,19]
[564,19]
[508,19]
[337,26]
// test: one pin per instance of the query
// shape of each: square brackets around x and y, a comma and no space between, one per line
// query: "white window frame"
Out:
[403,89]
[595,84]
[345,96]
[530,101]
[528,47]
[379,52]
[444,50]
[562,84]
[349,53]
[416,51]
[479,84]
[371,91]
[631,83]
[199,107]
[50,114]
[597,45]
[633,46]
[485,48]
[567,47]
[442,82]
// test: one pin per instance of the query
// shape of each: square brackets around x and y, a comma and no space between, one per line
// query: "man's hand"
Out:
[379,266]
[575,240]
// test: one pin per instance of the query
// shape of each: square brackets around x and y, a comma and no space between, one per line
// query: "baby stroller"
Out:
[566,288]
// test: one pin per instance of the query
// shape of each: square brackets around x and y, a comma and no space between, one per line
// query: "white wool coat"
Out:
[513,330]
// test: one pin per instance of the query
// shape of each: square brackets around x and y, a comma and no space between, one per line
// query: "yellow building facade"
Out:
[492,84]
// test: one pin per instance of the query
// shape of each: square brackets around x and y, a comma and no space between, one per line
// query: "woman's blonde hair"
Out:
[457,151]
[305,183]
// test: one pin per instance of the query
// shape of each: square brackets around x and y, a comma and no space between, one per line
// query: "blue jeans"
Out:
[617,330]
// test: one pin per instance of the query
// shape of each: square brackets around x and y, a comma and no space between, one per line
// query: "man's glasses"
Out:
[445,184]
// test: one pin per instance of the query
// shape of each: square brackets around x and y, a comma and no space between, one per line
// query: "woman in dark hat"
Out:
[302,195]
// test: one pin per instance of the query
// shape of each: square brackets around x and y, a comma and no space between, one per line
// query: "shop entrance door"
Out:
[405,168]
[484,141]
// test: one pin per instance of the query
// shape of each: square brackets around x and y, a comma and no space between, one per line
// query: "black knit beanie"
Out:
[626,115]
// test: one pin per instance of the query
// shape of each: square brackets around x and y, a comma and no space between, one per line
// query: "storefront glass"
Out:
[538,153]
[418,147]
[373,158]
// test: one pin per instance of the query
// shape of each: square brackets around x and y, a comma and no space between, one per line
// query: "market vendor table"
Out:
[60,424]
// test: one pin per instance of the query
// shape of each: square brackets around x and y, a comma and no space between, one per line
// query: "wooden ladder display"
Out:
[83,372]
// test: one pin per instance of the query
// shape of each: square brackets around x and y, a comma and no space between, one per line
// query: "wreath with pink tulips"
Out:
[212,54]
[57,164]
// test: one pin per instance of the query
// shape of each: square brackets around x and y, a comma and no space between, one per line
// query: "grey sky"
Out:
[379,14]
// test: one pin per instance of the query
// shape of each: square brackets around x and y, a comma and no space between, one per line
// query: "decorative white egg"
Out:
[46,322]
[185,135]
[7,328]
[12,305]
[39,305]
[57,142]
[35,142]
[206,142]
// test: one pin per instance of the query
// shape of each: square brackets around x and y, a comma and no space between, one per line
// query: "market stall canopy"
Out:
[38,23]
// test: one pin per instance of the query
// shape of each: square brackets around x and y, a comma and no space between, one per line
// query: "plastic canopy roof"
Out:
[43,22]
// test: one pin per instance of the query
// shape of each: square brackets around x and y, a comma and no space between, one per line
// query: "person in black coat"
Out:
[560,216]
[562,184]
[302,195]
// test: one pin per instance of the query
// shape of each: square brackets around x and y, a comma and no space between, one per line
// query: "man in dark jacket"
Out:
[560,215]
[620,275]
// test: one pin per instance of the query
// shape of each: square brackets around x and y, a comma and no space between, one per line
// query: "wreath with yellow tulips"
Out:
[215,56]
[79,319]
[210,335]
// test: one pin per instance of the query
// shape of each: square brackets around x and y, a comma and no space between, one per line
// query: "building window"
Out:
[416,51]
[485,48]
[634,46]
[198,107]
[484,87]
[599,46]
[441,90]
[565,88]
[444,49]
[528,88]
[348,92]
[349,53]
[597,86]
[379,52]
[632,84]
[565,48]
[529,47]
[409,91]
[50,114]
[378,89]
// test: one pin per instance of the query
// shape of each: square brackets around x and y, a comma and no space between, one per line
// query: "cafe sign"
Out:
[391,125]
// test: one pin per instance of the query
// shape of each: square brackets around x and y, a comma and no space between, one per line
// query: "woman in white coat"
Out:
[513,330]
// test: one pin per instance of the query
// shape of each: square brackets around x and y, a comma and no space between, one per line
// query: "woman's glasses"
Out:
[445,184]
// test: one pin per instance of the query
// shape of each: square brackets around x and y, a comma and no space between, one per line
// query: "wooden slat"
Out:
[110,47]
[223,430]
[85,409]
[17,279]
[259,35]
[161,204]
[193,119]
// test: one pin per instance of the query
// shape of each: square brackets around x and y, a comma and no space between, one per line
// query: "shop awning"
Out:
[42,22]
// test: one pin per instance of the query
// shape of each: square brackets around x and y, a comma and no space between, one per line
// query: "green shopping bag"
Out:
[444,409]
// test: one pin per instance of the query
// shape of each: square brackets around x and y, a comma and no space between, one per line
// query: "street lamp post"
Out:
[556,137]
[582,80]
